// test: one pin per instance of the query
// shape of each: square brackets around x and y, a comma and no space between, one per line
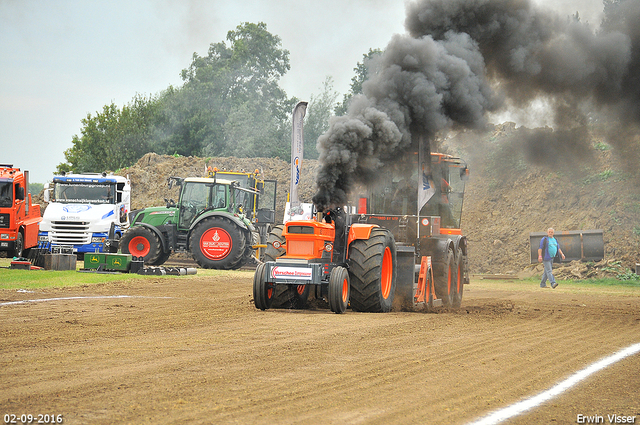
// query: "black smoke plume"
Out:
[464,58]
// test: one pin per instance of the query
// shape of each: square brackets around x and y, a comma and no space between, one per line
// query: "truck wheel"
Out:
[18,249]
[339,290]
[458,281]
[217,243]
[142,242]
[285,296]
[444,279]
[373,272]
[262,290]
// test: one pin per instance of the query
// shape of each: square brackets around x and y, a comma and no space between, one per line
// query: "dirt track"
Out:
[195,350]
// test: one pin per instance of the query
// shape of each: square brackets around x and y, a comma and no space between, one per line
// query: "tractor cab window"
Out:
[194,199]
[6,194]
[219,197]
[447,199]
[242,199]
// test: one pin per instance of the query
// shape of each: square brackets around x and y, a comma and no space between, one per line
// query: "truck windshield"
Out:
[6,194]
[84,193]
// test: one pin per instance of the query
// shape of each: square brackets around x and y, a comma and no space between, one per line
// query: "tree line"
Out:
[229,104]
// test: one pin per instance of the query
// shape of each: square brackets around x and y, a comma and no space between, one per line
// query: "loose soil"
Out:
[194,349]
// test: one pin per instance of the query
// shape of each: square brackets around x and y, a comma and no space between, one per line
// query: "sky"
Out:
[61,60]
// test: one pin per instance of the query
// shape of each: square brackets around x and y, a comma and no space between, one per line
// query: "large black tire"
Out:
[216,243]
[458,281]
[339,290]
[275,235]
[164,256]
[18,249]
[285,296]
[142,242]
[262,291]
[373,272]
[444,277]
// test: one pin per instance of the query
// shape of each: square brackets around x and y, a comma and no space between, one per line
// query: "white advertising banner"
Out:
[426,187]
[297,150]
[298,273]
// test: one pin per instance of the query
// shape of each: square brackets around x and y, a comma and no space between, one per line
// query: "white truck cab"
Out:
[82,208]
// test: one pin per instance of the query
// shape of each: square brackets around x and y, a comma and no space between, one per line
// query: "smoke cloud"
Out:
[462,59]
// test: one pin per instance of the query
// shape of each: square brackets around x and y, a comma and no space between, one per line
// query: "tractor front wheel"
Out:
[262,290]
[216,243]
[339,290]
[373,272]
[142,242]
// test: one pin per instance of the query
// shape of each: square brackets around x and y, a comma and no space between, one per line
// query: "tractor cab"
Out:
[438,188]
[201,194]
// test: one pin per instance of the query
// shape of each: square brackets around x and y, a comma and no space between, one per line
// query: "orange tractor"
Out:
[399,246]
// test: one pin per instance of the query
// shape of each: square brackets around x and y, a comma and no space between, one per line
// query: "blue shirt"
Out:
[552,248]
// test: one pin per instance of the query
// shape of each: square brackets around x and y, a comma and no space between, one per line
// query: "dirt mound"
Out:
[506,198]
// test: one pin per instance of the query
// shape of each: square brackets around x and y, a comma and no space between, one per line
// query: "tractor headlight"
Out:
[328,247]
[276,244]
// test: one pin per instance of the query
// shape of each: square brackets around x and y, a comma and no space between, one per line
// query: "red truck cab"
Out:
[19,218]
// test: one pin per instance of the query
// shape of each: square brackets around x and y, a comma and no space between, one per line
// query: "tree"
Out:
[113,138]
[230,93]
[362,72]
[317,120]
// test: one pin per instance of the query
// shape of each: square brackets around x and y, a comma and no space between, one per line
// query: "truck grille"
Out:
[4,221]
[70,232]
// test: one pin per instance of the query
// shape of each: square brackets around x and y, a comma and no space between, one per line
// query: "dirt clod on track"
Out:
[194,349]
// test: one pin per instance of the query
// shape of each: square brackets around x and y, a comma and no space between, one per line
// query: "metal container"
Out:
[583,245]
[60,261]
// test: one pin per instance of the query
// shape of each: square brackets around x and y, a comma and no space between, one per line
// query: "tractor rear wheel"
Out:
[458,281]
[373,272]
[285,296]
[339,289]
[142,242]
[444,279]
[275,235]
[262,290]
[216,243]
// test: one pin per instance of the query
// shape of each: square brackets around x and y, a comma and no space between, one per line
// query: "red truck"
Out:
[19,219]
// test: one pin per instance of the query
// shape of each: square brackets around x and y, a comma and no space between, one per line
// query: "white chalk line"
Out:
[522,406]
[39,300]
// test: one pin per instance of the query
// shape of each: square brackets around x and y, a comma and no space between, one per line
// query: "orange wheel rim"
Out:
[300,289]
[449,280]
[345,290]
[386,274]
[139,246]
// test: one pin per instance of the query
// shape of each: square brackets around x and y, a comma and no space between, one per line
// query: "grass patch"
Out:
[38,279]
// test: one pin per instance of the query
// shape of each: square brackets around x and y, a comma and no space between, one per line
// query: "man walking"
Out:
[549,247]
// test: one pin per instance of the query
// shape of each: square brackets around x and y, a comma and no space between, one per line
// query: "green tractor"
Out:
[214,219]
